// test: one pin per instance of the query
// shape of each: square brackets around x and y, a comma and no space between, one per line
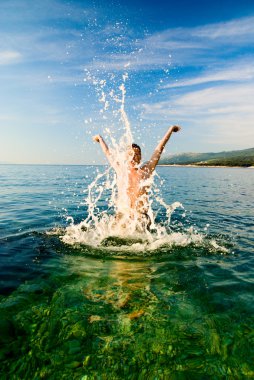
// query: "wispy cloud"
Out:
[236,71]
[241,31]
[203,45]
[41,45]
[223,114]
[47,10]
[215,100]
[114,46]
[210,101]
[48,31]
[8,57]
[238,30]
[52,42]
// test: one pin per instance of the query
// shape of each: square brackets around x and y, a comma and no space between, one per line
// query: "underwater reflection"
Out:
[121,318]
[122,285]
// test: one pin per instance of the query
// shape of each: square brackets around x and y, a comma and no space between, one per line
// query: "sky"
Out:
[185,62]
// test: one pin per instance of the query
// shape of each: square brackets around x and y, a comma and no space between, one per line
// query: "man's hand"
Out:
[96,138]
[176,128]
[104,147]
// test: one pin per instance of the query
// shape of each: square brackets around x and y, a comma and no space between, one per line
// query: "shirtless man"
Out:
[138,175]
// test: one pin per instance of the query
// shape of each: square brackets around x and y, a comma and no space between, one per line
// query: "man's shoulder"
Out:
[144,164]
[145,168]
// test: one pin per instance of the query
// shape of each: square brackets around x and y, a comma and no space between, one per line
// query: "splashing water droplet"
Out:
[110,188]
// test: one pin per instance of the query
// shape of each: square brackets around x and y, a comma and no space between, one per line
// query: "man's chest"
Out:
[134,180]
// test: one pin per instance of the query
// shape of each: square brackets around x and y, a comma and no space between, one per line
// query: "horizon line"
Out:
[41,164]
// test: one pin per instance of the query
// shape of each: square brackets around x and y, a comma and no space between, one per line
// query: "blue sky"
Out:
[188,62]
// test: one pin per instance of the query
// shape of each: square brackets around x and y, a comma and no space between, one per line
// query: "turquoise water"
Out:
[76,312]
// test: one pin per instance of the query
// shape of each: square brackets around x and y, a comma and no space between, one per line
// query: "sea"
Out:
[125,309]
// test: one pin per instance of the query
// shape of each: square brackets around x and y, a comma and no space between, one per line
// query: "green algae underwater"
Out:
[92,318]
[178,312]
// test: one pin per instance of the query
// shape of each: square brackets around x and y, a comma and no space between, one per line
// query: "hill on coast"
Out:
[243,158]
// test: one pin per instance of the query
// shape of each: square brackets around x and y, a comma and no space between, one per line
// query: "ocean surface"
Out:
[183,310]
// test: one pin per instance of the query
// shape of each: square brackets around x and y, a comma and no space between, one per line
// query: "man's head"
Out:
[136,154]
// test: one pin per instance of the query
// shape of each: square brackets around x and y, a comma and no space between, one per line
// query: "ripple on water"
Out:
[87,312]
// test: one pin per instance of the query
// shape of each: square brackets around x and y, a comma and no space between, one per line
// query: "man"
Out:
[138,176]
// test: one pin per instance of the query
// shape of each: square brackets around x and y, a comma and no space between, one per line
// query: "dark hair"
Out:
[136,146]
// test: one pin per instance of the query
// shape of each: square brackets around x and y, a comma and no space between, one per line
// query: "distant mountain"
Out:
[243,158]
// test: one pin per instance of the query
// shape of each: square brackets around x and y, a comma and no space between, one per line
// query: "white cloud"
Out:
[226,99]
[45,31]
[112,46]
[7,118]
[234,29]
[235,72]
[8,57]
[203,45]
[12,10]
[241,31]
[223,115]
[41,45]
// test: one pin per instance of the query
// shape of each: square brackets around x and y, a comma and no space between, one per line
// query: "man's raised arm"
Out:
[151,164]
[104,147]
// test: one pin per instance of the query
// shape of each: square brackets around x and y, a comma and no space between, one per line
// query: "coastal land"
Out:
[237,158]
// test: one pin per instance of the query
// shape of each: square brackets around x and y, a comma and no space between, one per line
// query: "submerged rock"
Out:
[136,314]
[116,241]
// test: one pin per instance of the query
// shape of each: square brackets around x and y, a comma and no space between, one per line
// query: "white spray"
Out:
[100,225]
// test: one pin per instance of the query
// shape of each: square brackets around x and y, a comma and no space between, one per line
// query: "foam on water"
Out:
[101,227]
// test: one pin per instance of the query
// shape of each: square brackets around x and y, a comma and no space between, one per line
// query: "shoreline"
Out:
[170,165]
[206,166]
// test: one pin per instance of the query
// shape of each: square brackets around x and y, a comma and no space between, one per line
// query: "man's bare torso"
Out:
[138,176]
[138,188]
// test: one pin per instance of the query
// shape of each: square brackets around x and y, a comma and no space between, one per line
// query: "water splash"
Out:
[111,221]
